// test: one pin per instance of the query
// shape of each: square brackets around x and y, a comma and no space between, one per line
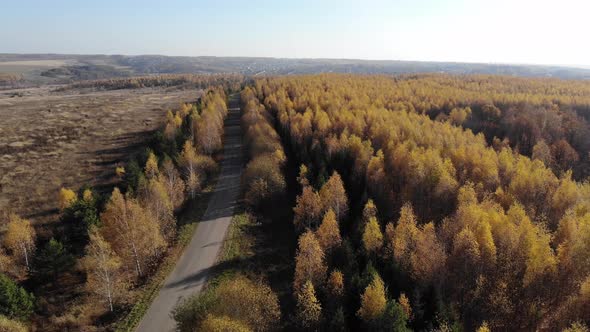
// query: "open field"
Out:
[36,69]
[49,140]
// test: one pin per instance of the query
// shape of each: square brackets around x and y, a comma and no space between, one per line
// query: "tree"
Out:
[173,183]
[208,134]
[308,209]
[328,234]
[369,211]
[373,301]
[459,115]
[404,237]
[151,166]
[428,258]
[87,195]
[160,206]
[120,171]
[131,231]
[484,328]
[309,309]
[372,236]
[52,260]
[264,181]
[338,321]
[542,152]
[20,238]
[333,196]
[102,267]
[66,198]
[170,128]
[574,327]
[564,155]
[15,302]
[309,261]
[404,302]
[302,178]
[189,161]
[78,218]
[193,184]
[394,319]
[336,284]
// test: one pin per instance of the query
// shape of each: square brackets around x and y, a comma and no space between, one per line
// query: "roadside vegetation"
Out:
[107,251]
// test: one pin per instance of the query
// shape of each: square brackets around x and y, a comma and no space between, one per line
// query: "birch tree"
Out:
[102,266]
[188,160]
[20,238]
[132,231]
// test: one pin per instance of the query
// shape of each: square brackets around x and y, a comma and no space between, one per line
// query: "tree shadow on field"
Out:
[103,161]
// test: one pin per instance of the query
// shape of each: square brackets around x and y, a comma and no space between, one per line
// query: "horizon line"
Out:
[576,66]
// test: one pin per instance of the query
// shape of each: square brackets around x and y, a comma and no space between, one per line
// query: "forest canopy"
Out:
[466,192]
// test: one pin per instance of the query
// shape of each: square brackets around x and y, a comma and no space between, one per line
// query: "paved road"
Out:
[191,270]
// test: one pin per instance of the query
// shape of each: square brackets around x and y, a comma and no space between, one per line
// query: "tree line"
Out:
[112,245]
[186,81]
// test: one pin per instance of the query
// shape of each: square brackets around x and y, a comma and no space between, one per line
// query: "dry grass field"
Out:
[49,140]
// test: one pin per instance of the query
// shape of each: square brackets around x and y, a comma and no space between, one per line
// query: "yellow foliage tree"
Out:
[328,234]
[373,301]
[428,259]
[173,182]
[372,236]
[336,283]
[87,195]
[120,171]
[309,261]
[333,196]
[66,198]
[370,211]
[405,304]
[20,238]
[188,160]
[309,309]
[151,166]
[102,267]
[132,232]
[484,328]
[302,178]
[308,209]
[160,206]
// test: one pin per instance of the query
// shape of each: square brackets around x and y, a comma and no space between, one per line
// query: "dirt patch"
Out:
[51,140]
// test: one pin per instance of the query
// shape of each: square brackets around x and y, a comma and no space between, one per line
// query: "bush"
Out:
[8,325]
[237,298]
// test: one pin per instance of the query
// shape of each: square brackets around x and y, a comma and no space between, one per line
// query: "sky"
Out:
[487,31]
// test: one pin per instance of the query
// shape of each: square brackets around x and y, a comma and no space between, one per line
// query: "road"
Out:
[194,266]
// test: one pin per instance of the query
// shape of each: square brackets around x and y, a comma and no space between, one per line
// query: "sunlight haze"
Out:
[499,31]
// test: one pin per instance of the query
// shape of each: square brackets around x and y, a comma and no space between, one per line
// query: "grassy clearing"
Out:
[188,221]
[238,245]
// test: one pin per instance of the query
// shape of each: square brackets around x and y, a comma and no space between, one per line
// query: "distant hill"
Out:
[66,68]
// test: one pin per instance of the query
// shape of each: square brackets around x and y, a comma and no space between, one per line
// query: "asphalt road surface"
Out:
[194,266]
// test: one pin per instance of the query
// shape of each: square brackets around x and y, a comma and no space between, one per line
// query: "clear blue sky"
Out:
[497,31]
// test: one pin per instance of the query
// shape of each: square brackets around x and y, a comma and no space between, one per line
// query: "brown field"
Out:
[50,140]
